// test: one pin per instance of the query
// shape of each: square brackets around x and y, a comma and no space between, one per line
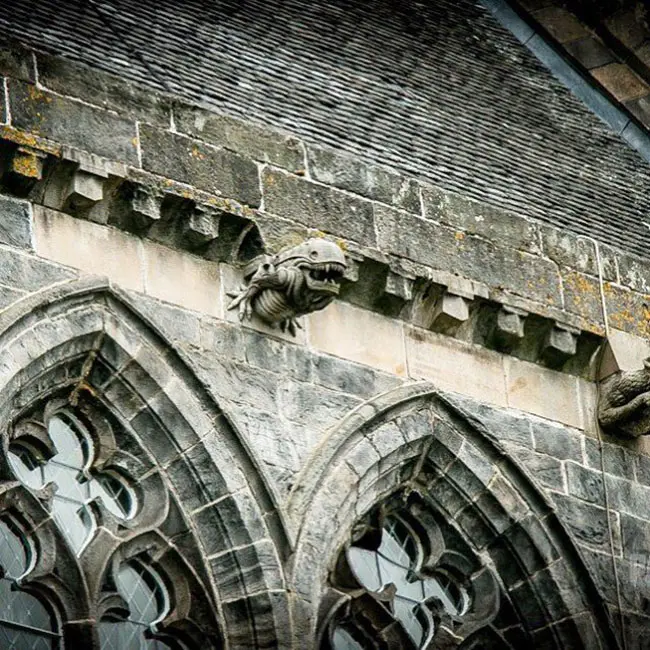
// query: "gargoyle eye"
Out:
[313,254]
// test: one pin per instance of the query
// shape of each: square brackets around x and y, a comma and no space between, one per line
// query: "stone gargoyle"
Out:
[624,405]
[298,281]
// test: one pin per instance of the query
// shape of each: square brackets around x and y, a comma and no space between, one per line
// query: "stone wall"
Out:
[502,314]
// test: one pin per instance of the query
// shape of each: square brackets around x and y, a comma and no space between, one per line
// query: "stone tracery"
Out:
[90,380]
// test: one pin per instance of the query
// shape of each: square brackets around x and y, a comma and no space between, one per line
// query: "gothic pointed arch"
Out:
[418,495]
[83,351]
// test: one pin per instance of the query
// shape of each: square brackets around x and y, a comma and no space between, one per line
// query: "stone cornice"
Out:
[233,190]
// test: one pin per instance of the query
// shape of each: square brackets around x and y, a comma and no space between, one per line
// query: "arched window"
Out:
[25,622]
[148,603]
[97,505]
[68,469]
[403,581]
[392,573]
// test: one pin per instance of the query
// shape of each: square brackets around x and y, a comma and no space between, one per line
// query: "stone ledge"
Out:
[530,303]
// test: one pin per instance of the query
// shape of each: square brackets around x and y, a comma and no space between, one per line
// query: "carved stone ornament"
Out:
[298,281]
[624,407]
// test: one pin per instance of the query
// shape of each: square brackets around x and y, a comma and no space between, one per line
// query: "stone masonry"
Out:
[128,215]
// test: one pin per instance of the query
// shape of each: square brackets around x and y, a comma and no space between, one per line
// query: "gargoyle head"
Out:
[322,263]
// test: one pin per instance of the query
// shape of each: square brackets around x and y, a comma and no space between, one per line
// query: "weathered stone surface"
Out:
[590,52]
[251,569]
[475,258]
[15,223]
[181,278]
[643,470]
[350,378]
[455,366]
[559,345]
[91,247]
[318,206]
[24,272]
[582,295]
[567,249]
[206,167]
[621,81]
[635,534]
[239,383]
[617,460]
[557,441]
[178,325]
[628,310]
[543,468]
[103,89]
[15,61]
[251,140]
[72,123]
[313,406]
[227,523]
[352,333]
[634,272]
[585,484]
[500,227]
[588,523]
[547,393]
[350,173]
[561,23]
[628,496]
[502,425]
[275,355]
[7,296]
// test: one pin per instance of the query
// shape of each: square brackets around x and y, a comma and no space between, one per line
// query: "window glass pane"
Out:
[13,553]
[364,565]
[25,623]
[11,639]
[71,450]
[147,601]
[341,640]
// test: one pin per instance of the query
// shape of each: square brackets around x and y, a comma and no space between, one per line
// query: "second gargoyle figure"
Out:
[298,281]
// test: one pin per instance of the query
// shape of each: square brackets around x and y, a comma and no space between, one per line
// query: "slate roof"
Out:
[437,89]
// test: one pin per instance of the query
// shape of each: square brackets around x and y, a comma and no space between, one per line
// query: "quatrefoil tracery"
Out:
[389,564]
[60,452]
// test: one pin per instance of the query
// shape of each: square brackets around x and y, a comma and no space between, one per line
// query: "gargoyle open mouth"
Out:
[324,277]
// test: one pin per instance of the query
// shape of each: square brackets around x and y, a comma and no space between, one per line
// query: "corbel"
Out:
[23,168]
[560,344]
[202,225]
[27,162]
[146,207]
[451,310]
[86,186]
[399,286]
[509,329]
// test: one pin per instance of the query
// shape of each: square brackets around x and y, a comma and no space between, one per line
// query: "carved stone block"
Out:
[450,312]
[624,407]
[86,184]
[303,279]
[22,169]
[560,344]
[399,286]
[202,225]
[145,206]
[509,327]
[28,163]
